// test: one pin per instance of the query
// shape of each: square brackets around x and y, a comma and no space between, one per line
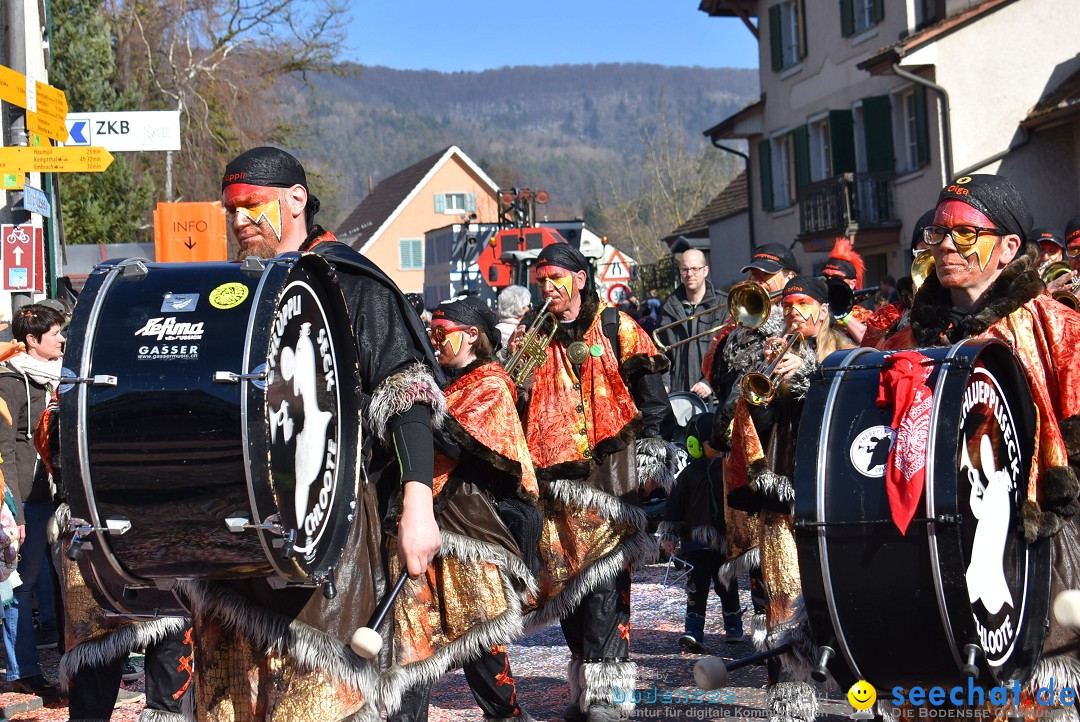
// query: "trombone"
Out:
[665,347]
[532,349]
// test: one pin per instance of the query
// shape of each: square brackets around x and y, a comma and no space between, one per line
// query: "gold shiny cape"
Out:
[470,598]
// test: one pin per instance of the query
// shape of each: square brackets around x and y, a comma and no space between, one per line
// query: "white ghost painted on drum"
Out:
[298,365]
[992,506]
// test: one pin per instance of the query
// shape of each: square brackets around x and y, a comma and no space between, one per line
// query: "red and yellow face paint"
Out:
[803,314]
[560,285]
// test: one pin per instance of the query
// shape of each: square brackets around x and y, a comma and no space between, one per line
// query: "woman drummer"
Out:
[494,484]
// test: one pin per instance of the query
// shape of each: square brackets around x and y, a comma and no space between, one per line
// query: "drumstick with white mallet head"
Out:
[712,672]
[1067,608]
[366,641]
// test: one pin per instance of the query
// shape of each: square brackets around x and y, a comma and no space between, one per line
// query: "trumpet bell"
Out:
[1055,270]
[921,268]
[1068,299]
[749,304]
[757,389]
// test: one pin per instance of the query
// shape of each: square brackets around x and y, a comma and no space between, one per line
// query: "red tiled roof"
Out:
[380,204]
[730,201]
[884,58]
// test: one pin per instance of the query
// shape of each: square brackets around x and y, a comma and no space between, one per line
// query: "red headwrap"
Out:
[843,251]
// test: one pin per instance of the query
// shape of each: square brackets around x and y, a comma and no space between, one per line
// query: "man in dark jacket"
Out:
[694,295]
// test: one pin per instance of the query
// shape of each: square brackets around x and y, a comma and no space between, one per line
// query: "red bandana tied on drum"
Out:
[903,386]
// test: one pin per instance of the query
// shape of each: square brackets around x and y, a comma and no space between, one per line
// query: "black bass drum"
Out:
[209,426]
[961,592]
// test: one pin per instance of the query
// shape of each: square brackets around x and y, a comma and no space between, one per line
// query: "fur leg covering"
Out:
[158,715]
[118,643]
[743,564]
[791,702]
[657,461]
[576,680]
[605,682]
[398,393]
[758,631]
[668,531]
[1055,673]
[798,663]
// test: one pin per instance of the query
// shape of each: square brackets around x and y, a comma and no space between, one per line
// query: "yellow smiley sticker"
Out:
[228,295]
[862,695]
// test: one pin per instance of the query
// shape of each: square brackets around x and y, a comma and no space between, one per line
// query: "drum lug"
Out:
[971,653]
[237,524]
[820,672]
[253,265]
[95,380]
[231,377]
[329,589]
[81,529]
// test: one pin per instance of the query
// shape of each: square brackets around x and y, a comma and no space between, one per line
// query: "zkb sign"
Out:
[126,131]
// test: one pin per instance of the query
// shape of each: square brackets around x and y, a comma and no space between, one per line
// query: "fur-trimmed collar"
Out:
[931,316]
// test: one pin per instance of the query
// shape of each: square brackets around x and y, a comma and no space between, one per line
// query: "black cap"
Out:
[1072,230]
[996,198]
[839,267]
[811,286]
[1046,234]
[772,258]
[926,219]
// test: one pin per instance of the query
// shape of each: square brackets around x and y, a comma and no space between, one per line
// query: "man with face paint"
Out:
[846,266]
[594,421]
[987,285]
[270,211]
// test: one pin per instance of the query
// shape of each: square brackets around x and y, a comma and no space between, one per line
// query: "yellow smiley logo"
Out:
[862,695]
[228,295]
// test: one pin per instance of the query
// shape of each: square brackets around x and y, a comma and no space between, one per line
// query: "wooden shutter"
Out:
[765,164]
[877,129]
[776,38]
[801,10]
[802,157]
[879,11]
[847,18]
[922,126]
[842,141]
[440,203]
[417,254]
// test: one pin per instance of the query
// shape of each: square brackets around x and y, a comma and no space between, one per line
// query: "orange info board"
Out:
[189,232]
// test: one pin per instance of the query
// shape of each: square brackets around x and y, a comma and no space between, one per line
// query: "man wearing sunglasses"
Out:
[986,285]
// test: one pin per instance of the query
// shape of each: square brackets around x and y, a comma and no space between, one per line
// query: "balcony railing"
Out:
[846,202]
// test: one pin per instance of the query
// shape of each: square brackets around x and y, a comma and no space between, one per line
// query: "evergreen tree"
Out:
[108,207]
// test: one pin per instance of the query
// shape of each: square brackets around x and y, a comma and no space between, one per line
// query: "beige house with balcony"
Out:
[867,107]
[389,225]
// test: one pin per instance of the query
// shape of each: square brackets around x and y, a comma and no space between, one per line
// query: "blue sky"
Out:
[482,34]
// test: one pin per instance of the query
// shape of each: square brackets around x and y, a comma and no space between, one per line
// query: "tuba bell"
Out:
[532,348]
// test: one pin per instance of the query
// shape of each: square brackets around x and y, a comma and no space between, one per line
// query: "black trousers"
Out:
[706,563]
[168,678]
[492,684]
[598,629]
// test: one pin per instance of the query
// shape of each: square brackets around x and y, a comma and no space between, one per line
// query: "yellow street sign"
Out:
[46,125]
[12,87]
[51,102]
[52,159]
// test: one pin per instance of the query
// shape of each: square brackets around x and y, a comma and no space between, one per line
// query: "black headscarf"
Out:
[996,198]
[811,286]
[272,168]
[926,219]
[565,256]
[471,311]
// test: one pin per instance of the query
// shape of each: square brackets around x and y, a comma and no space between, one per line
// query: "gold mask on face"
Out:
[983,248]
[271,211]
[564,284]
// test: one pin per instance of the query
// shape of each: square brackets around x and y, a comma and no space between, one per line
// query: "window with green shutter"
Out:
[801,137]
[922,126]
[859,15]
[842,141]
[411,254]
[776,38]
[847,17]
[878,133]
[787,33]
[765,166]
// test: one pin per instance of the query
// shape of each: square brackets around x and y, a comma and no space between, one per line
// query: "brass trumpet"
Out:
[1067,295]
[533,346]
[921,268]
[758,387]
[1054,271]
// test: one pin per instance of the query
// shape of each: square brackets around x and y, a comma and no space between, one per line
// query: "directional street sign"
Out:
[36,200]
[136,130]
[23,258]
[46,125]
[51,159]
[46,106]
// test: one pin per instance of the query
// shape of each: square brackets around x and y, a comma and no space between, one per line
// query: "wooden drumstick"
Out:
[711,672]
[366,641]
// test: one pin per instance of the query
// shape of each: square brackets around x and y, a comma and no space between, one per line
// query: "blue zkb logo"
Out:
[80,132]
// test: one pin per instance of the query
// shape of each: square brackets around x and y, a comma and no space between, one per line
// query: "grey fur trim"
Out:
[398,393]
[601,679]
[118,643]
[470,550]
[575,678]
[634,550]
[791,702]
[583,496]
[799,382]
[796,631]
[656,462]
[708,535]
[744,347]
[277,633]
[668,531]
[773,485]
[743,564]
[1062,671]
[758,631]
[57,523]
[160,715]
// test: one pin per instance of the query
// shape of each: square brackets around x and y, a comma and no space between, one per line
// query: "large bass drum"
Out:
[961,593]
[209,427]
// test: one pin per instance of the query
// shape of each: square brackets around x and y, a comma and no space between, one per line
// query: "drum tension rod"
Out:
[95,380]
[83,529]
[950,519]
[231,377]
[957,361]
[285,541]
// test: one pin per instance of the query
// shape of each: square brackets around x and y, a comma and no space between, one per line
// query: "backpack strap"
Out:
[609,317]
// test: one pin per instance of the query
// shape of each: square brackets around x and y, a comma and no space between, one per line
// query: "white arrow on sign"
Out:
[17,252]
